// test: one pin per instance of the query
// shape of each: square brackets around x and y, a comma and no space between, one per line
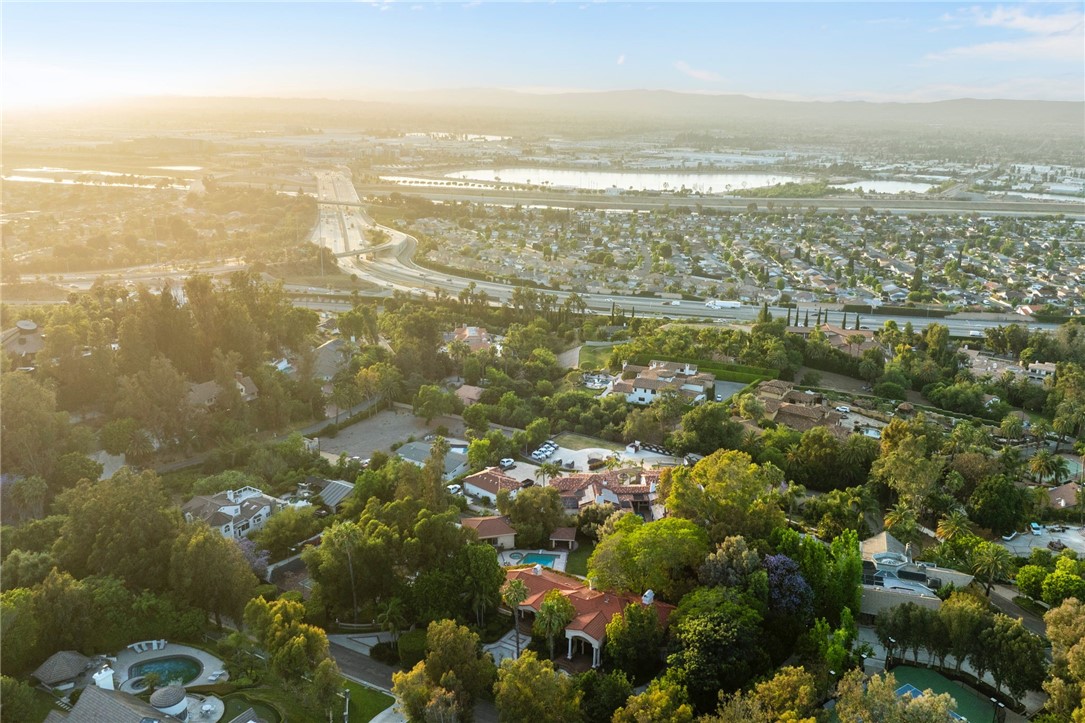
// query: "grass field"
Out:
[577,562]
[971,705]
[594,357]
[366,703]
[576,442]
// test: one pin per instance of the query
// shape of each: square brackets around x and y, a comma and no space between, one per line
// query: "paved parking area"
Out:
[1023,544]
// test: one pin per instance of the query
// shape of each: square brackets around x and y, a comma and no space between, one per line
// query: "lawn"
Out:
[366,703]
[594,357]
[575,442]
[577,562]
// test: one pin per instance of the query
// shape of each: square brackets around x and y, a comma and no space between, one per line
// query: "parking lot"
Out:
[383,430]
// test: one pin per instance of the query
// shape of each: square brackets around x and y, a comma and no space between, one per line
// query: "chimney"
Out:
[104,678]
[231,495]
[648,597]
[537,570]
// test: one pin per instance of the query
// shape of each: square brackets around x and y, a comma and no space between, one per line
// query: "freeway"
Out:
[396,270]
[641,202]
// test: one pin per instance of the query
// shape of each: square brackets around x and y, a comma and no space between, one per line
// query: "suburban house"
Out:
[329,358]
[23,342]
[234,513]
[469,394]
[800,411]
[1041,370]
[586,633]
[632,489]
[840,338]
[207,393]
[332,491]
[99,704]
[891,577]
[475,337]
[1064,496]
[418,452]
[487,483]
[642,385]
[62,669]
[493,530]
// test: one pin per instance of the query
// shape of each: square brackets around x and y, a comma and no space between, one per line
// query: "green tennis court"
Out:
[970,706]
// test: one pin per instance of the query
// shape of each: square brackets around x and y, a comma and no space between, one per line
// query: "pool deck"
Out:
[128,657]
[507,558]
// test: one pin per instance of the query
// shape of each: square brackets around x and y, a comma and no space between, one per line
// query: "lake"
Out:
[601,180]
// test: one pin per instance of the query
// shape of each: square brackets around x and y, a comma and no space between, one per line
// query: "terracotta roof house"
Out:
[631,489]
[1064,496]
[469,394]
[97,705]
[494,530]
[475,337]
[62,667]
[489,482]
[594,608]
[234,513]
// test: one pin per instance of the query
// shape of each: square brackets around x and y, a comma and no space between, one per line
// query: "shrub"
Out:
[412,648]
[385,653]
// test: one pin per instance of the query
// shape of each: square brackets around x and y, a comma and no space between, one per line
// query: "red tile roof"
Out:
[488,527]
[563,534]
[594,608]
[492,480]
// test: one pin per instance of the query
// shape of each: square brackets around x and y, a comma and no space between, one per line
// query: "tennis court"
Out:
[970,706]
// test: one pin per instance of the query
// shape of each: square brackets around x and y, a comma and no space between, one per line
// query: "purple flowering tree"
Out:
[789,593]
[256,557]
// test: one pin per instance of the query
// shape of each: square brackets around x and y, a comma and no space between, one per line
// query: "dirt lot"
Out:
[384,430]
[829,380]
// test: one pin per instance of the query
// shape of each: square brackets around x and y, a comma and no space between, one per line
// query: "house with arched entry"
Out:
[586,632]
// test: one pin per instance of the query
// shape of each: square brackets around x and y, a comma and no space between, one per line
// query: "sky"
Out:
[61,53]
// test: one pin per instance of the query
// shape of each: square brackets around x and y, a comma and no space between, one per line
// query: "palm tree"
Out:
[901,521]
[990,561]
[1040,429]
[554,614]
[547,471]
[1012,427]
[1060,469]
[1042,464]
[953,524]
[512,594]
[391,617]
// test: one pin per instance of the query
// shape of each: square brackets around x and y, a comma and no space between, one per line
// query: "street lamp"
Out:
[889,653]
[346,709]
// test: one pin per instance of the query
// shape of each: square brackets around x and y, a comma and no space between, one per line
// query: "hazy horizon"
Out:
[60,54]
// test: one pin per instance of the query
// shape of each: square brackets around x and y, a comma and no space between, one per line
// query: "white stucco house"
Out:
[234,513]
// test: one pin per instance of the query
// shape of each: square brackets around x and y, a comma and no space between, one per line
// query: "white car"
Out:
[843,410]
[507,463]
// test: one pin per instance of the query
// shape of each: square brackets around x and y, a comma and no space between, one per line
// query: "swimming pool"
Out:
[536,558]
[173,669]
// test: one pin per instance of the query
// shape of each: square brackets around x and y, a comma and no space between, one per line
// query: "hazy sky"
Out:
[56,52]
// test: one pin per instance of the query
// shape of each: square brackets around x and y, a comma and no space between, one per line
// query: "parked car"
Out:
[843,410]
[507,463]
[1036,528]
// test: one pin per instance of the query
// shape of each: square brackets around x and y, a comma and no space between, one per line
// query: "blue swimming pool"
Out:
[535,558]
[173,669]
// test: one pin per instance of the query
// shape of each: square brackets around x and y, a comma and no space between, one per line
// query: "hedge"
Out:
[412,648]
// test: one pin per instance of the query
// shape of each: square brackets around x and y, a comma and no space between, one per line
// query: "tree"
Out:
[513,593]
[664,700]
[1061,585]
[29,495]
[907,470]
[534,512]
[661,556]
[731,565]
[1030,580]
[633,641]
[481,577]
[554,614]
[726,494]
[1066,682]
[529,689]
[991,561]
[453,653]
[431,401]
[860,700]
[34,433]
[1016,655]
[953,524]
[717,650]
[707,428]
[602,693]
[997,504]
[294,648]
[18,700]
[21,630]
[325,688]
[209,571]
[901,521]
[115,526]
[392,617]
[285,529]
